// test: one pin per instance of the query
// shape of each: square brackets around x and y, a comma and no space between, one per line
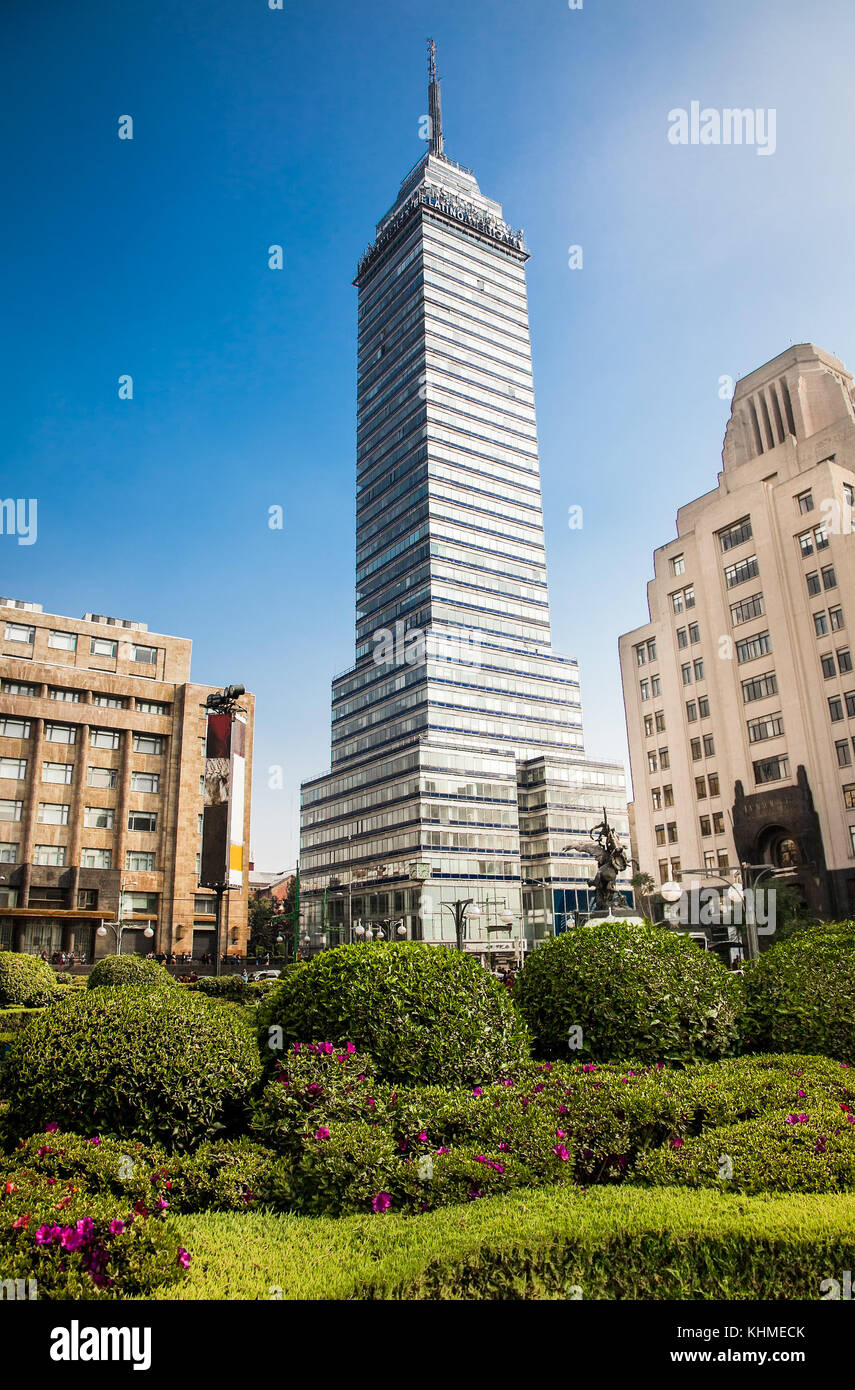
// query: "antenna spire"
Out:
[437,143]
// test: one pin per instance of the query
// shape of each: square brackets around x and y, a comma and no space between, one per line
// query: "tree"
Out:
[643,886]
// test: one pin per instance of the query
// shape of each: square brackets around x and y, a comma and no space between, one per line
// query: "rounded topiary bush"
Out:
[423,1013]
[151,1064]
[800,995]
[622,990]
[128,970]
[25,980]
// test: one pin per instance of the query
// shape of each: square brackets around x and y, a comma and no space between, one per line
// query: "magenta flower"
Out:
[442,1151]
[183,1257]
[45,1234]
[381,1202]
[796,1119]
[477,1093]
[51,1127]
[96,1139]
[161,1204]
[504,1148]
[422,1136]
[803,1095]
[116,1228]
[350,1047]
[322,1133]
[560,1134]
[676,1143]
[562,1153]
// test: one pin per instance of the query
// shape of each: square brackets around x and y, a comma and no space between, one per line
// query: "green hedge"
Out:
[800,995]
[617,990]
[129,970]
[423,1013]
[152,1064]
[25,980]
[626,1243]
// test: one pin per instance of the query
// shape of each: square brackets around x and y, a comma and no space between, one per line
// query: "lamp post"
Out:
[462,908]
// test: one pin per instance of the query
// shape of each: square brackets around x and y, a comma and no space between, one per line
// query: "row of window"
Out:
[94,817]
[151,744]
[672,868]
[709,825]
[55,856]
[67,642]
[73,697]
[106,778]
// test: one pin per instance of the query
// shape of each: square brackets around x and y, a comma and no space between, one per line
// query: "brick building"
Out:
[101,765]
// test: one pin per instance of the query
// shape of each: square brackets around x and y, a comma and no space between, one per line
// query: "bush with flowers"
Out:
[77,1245]
[617,990]
[804,1150]
[424,1014]
[315,1084]
[152,1064]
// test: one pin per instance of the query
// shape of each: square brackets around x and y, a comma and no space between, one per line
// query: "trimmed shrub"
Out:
[345,1169]
[800,995]
[423,1013]
[782,1151]
[25,980]
[633,990]
[64,977]
[128,970]
[741,1088]
[151,1064]
[223,987]
[229,1175]
[76,1245]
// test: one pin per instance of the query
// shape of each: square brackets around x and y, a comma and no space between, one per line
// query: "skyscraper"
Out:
[458,767]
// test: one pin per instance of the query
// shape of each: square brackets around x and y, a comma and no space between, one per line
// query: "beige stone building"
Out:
[101,766]
[740,690]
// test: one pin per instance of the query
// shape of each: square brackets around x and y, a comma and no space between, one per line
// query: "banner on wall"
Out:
[223,805]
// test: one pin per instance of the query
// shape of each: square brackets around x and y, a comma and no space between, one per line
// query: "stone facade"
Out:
[743,677]
[102,749]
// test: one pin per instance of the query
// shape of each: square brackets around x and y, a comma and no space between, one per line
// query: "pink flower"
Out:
[45,1234]
[441,1151]
[422,1136]
[504,1148]
[116,1228]
[161,1204]
[381,1202]
[477,1093]
[96,1139]
[350,1047]
[51,1127]
[796,1119]
[560,1134]
[803,1094]
[322,1133]
[183,1257]
[562,1153]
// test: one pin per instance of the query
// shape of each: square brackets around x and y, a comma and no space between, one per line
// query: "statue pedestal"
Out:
[615,914]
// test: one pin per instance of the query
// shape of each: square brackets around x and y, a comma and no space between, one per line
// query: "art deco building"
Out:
[740,690]
[101,764]
[458,767]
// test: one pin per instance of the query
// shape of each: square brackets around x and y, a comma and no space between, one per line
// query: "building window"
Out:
[703,706]
[655,685]
[660,834]
[806,543]
[835,618]
[678,564]
[712,782]
[849,697]
[668,796]
[71,697]
[104,738]
[691,711]
[664,867]
[686,673]
[641,654]
[844,660]
[142,820]
[672,832]
[849,494]
[141,860]
[701,788]
[58,772]
[87,897]
[718,822]
[682,638]
[804,502]
[852,838]
[694,633]
[148,743]
[709,860]
[820,624]
[60,733]
[767,726]
[151,707]
[103,777]
[771,769]
[146,656]
[664,759]
[741,571]
[835,708]
[644,687]
[103,646]
[660,722]
[689,595]
[8,854]
[63,641]
[709,745]
[648,726]
[146,782]
[15,728]
[656,799]
[108,701]
[706,826]
[751,647]
[699,668]
[19,632]
[53,855]
[18,688]
[844,757]
[813,585]
[736,534]
[695,746]
[829,578]
[820,536]
[749,608]
[849,796]
[828,667]
[651,762]
[96,859]
[14,769]
[759,687]
[141,902]
[677,603]
[53,813]
[99,817]
[11,810]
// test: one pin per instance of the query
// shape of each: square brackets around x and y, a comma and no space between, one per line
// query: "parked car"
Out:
[266,975]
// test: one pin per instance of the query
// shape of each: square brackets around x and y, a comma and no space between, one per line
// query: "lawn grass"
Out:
[609,1243]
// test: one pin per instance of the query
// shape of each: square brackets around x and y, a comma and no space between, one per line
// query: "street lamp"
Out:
[462,908]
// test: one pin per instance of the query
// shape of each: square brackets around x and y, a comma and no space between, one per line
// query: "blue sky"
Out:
[255,127]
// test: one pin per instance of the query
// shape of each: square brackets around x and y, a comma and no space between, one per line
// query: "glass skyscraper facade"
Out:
[458,767]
